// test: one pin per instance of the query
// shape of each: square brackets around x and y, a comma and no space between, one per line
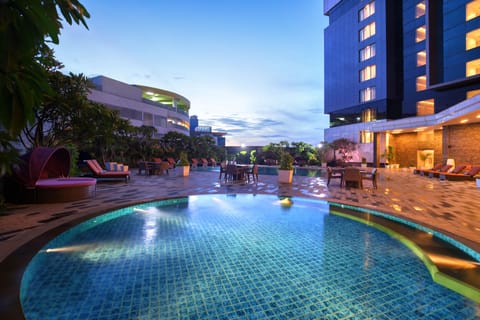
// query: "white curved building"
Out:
[141,105]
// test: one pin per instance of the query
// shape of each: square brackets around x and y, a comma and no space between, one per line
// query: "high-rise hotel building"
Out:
[404,76]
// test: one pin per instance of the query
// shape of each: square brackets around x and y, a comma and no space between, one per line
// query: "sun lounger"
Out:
[99,172]
[424,172]
[466,173]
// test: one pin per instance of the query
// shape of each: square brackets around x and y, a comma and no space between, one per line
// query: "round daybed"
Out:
[42,176]
[65,189]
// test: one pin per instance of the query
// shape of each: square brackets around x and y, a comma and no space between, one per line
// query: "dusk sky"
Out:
[251,68]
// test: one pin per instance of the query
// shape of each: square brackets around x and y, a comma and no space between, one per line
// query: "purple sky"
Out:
[252,68]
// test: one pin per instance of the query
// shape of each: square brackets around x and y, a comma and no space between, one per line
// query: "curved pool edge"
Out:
[13,266]
[439,277]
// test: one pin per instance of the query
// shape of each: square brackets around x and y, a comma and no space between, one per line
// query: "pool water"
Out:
[232,257]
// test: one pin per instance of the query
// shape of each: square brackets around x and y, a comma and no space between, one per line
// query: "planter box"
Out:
[285,176]
[184,171]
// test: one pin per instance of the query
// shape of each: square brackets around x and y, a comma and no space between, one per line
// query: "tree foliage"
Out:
[344,147]
[25,26]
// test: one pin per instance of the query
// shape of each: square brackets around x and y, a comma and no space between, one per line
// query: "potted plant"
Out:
[184,164]
[285,168]
[389,156]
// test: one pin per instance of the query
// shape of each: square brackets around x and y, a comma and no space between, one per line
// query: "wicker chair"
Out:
[352,176]
[334,175]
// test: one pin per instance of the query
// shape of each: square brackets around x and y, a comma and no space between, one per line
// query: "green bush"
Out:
[286,161]
[183,161]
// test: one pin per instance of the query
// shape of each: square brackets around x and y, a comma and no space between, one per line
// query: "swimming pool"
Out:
[232,257]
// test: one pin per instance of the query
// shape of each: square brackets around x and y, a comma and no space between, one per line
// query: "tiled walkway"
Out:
[447,206]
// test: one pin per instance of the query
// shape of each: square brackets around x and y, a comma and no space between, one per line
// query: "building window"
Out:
[367,52]
[473,68]
[472,40]
[366,136]
[369,115]
[472,10]
[367,31]
[420,34]
[367,94]
[425,107]
[420,9]
[160,121]
[367,73]
[421,58]
[366,11]
[421,83]
[147,119]
[473,93]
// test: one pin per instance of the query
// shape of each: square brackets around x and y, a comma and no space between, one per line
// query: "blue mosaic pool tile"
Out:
[238,257]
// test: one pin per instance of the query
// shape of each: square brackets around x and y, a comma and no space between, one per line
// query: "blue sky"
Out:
[251,68]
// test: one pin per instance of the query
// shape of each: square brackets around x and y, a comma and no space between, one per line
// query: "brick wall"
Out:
[463,143]
[406,146]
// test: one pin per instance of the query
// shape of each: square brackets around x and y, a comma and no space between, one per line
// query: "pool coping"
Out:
[14,265]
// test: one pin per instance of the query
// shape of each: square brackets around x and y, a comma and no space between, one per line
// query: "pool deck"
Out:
[450,207]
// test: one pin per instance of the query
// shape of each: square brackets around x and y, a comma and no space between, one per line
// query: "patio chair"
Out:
[331,174]
[143,168]
[371,176]
[212,162]
[352,176]
[194,163]
[223,169]
[204,162]
[253,171]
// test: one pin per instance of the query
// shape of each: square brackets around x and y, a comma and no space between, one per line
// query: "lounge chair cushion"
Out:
[445,168]
[473,171]
[458,169]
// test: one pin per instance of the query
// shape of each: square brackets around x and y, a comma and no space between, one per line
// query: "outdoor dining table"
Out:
[151,167]
[238,172]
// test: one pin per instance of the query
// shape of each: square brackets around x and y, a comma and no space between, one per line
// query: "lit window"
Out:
[367,73]
[366,11]
[420,34]
[472,10]
[367,52]
[472,39]
[421,58]
[421,83]
[367,31]
[366,136]
[425,107]
[420,9]
[473,68]
[369,115]
[473,93]
[367,94]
